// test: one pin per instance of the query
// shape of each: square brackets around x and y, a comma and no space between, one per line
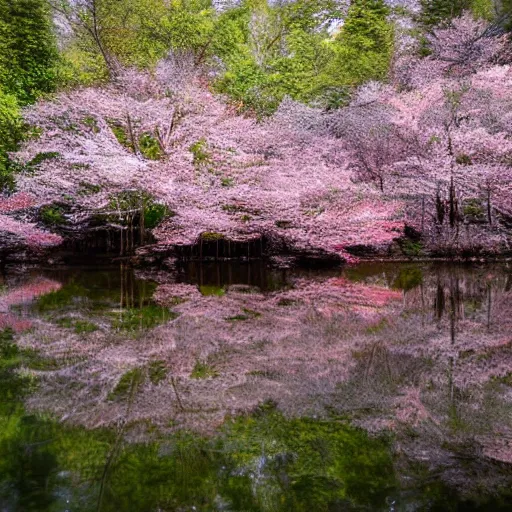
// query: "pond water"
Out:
[241,387]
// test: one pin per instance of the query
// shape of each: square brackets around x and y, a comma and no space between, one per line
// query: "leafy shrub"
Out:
[203,370]
[149,147]
[52,215]
[42,157]
[199,150]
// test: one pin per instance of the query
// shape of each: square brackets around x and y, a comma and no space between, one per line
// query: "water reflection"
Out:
[85,299]
[215,277]
[118,393]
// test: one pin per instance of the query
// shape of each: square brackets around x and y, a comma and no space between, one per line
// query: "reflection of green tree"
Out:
[100,292]
[97,290]
[408,278]
[146,317]
[259,462]
[24,469]
[304,464]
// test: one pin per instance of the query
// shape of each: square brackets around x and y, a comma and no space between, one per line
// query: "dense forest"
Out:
[332,126]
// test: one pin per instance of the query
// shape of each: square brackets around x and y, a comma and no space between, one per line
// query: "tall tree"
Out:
[364,46]
[10,134]
[134,32]
[28,51]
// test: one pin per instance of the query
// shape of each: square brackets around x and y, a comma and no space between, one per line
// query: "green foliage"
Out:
[211,236]
[227,182]
[278,50]
[157,372]
[484,9]
[92,123]
[463,159]
[238,318]
[505,11]
[212,291]
[203,370]
[52,215]
[134,33]
[28,52]
[185,25]
[154,213]
[363,49]
[81,66]
[61,298]
[10,136]
[149,147]
[436,12]
[251,313]
[79,326]
[259,73]
[88,189]
[120,134]
[82,326]
[200,152]
[127,385]
[473,207]
[42,157]
[411,248]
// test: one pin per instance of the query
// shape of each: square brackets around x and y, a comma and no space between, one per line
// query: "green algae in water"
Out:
[212,291]
[145,317]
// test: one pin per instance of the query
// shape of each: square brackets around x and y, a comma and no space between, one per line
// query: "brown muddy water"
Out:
[240,387]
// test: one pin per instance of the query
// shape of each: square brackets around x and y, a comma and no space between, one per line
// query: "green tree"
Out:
[10,134]
[505,13]
[435,12]
[270,50]
[110,34]
[363,48]
[28,51]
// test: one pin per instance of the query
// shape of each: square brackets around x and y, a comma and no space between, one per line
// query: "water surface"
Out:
[242,387]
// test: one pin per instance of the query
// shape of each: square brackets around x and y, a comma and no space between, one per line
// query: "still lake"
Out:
[229,386]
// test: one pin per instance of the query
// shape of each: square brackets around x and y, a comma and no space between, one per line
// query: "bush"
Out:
[52,215]
[149,147]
